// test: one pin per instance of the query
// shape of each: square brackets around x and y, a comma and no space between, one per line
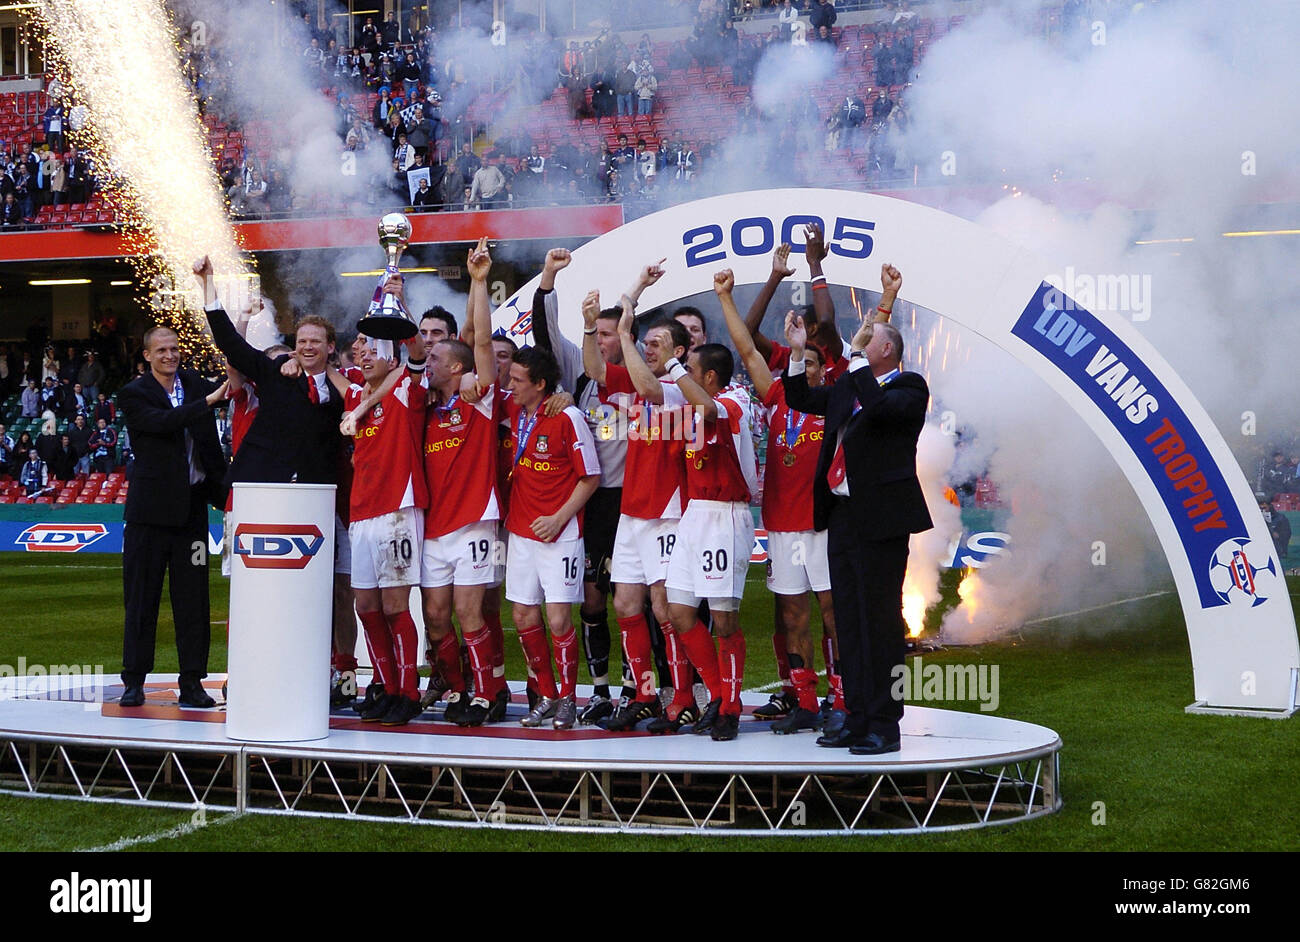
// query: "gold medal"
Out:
[788,459]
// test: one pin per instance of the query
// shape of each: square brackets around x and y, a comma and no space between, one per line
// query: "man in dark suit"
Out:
[179,470]
[295,434]
[867,496]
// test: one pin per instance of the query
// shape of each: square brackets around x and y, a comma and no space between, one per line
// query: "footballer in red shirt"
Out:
[554,472]
[461,547]
[389,495]
[716,533]
[796,553]
[654,497]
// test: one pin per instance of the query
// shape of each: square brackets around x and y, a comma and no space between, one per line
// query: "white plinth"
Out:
[281,579]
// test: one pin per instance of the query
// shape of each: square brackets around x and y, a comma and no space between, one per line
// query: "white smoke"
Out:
[1184,109]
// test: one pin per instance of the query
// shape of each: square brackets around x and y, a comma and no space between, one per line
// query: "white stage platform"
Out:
[955,769]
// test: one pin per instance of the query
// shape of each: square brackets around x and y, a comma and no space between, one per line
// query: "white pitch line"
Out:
[189,827]
[772,686]
[1097,608]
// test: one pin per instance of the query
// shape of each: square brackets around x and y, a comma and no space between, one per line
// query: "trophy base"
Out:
[387,327]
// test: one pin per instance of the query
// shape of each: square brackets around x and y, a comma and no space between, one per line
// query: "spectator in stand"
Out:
[624,156]
[79,433]
[787,17]
[468,162]
[68,367]
[313,56]
[647,85]
[34,475]
[409,73]
[63,461]
[77,401]
[103,448]
[59,183]
[6,450]
[51,397]
[1277,478]
[687,162]
[11,214]
[880,109]
[383,105]
[24,184]
[624,88]
[1279,527]
[425,197]
[644,161]
[394,127]
[851,116]
[104,409]
[666,156]
[822,13]
[419,133]
[255,195]
[279,195]
[535,163]
[488,188]
[91,376]
[31,400]
[679,57]
[22,447]
[403,154]
[54,121]
[603,103]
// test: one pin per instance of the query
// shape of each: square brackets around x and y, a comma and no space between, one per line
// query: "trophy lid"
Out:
[394,227]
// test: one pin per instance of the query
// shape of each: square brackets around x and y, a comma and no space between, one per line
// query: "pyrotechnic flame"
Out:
[913,611]
[968,592]
[122,59]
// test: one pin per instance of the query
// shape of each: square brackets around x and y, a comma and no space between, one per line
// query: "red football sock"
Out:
[379,641]
[405,647]
[492,621]
[480,662]
[805,687]
[679,667]
[782,662]
[538,654]
[731,660]
[566,658]
[704,658]
[636,648]
[833,678]
[344,662]
[449,661]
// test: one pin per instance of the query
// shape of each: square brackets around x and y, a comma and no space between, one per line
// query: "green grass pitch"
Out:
[1113,684]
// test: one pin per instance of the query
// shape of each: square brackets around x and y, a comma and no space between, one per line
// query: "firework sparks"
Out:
[121,58]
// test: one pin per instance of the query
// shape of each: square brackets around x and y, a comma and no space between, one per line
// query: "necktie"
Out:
[836,473]
[312,392]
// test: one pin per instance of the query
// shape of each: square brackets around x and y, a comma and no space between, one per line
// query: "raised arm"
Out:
[823,306]
[479,314]
[891,279]
[238,352]
[745,344]
[546,322]
[798,394]
[643,378]
[593,364]
[758,310]
[143,418]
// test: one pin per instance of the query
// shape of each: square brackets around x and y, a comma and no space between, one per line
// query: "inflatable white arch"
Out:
[1242,632]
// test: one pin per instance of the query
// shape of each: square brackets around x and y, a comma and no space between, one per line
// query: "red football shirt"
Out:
[720,463]
[835,360]
[654,480]
[551,455]
[387,475]
[243,409]
[460,463]
[794,442]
